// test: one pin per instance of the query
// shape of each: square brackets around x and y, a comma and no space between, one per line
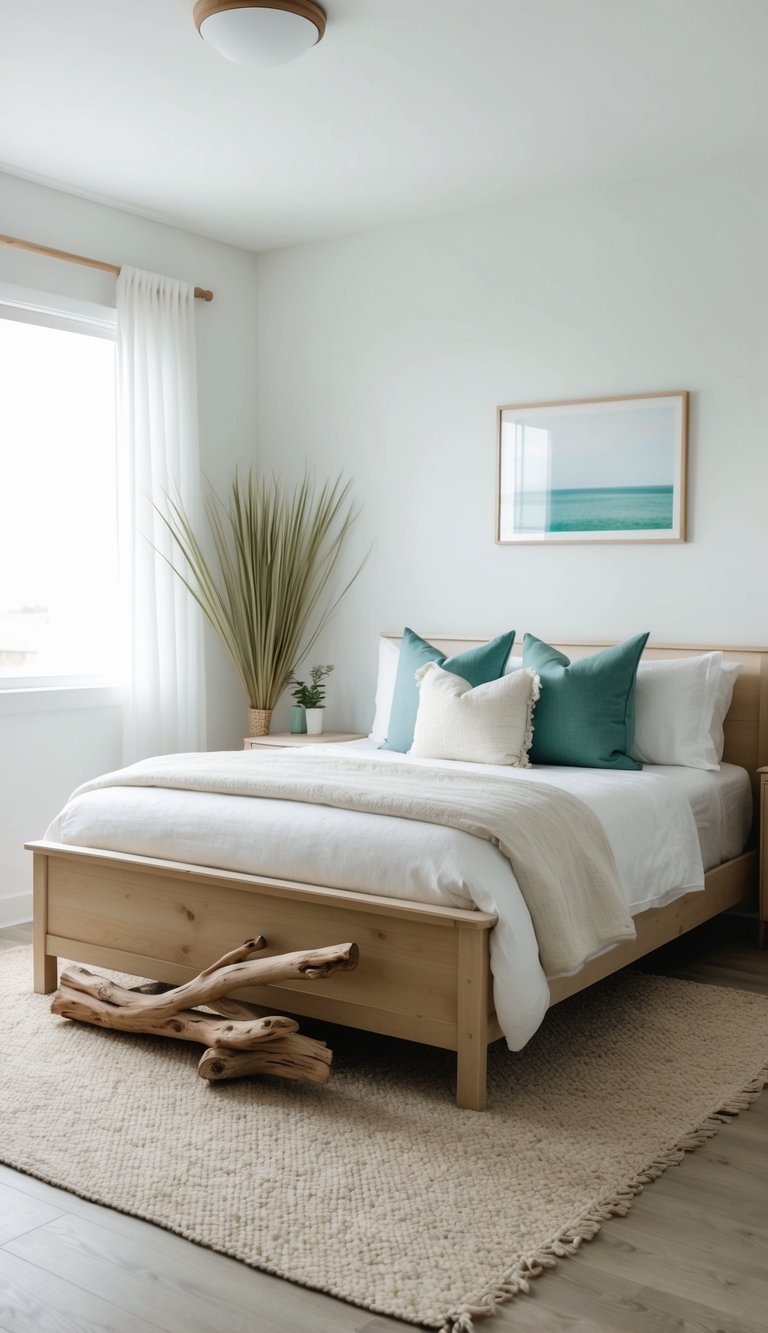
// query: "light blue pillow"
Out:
[585,716]
[478,665]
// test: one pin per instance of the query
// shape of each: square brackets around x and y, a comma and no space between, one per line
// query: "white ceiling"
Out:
[407,109]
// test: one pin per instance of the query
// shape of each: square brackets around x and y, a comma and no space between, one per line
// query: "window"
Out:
[58,533]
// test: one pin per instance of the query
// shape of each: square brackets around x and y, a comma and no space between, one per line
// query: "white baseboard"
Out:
[16,910]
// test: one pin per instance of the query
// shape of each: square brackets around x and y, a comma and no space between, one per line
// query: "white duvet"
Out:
[647,818]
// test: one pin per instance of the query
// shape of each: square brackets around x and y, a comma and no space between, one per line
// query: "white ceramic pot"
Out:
[315,721]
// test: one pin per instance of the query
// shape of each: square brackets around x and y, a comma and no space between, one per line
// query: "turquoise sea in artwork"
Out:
[607,509]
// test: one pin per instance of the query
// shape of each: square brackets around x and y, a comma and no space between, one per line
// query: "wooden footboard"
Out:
[423,974]
[424,971]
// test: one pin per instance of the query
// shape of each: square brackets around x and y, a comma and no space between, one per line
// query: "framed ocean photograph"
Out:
[593,470]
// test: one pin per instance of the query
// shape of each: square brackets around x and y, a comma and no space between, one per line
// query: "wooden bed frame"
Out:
[424,971]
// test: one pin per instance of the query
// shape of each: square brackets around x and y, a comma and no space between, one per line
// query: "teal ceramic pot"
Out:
[298,720]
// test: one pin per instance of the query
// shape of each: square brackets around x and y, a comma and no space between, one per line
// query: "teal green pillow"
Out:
[478,665]
[585,716]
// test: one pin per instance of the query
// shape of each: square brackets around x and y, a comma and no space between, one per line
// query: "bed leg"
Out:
[45,965]
[473,1007]
[46,973]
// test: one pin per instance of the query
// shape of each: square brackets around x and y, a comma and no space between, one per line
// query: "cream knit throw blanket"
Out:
[555,844]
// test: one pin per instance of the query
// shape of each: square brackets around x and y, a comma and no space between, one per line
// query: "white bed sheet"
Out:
[721,803]
[648,818]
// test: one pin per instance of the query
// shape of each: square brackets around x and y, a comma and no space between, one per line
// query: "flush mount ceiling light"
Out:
[260,32]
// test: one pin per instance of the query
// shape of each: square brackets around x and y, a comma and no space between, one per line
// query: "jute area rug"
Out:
[375,1188]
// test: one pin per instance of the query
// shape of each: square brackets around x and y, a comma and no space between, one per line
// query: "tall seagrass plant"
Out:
[269,589]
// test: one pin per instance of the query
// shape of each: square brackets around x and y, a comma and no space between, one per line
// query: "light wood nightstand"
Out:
[763,835]
[286,740]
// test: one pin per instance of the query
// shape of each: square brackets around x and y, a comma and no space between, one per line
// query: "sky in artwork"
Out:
[609,445]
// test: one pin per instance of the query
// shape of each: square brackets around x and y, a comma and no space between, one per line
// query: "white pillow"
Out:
[729,674]
[490,724]
[389,656]
[680,706]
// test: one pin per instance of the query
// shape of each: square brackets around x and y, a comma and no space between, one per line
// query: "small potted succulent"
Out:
[307,712]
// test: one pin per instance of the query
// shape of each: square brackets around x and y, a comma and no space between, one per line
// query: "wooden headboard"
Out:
[746,726]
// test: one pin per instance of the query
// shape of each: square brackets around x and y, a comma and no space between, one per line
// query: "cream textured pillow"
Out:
[490,724]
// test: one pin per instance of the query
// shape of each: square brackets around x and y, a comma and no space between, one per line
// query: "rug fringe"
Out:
[568,1241]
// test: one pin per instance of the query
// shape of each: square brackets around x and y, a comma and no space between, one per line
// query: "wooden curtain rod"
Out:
[35,249]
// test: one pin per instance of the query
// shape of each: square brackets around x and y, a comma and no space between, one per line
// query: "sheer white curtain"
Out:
[157,455]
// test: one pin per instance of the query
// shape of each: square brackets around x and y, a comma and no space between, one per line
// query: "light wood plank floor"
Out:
[692,1256]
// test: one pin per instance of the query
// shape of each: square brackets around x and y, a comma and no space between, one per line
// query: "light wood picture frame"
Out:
[593,470]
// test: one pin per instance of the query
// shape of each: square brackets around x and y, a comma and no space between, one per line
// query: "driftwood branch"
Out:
[238,955]
[294,1057]
[217,980]
[186,1025]
[242,1038]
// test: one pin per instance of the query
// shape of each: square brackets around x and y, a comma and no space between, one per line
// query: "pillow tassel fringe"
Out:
[535,695]
[568,1241]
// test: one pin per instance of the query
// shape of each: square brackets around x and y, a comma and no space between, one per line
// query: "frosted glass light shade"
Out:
[257,34]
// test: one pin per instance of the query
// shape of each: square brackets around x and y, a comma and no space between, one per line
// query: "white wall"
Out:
[387,354]
[47,749]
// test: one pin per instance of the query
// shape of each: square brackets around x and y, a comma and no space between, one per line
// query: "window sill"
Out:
[58,698]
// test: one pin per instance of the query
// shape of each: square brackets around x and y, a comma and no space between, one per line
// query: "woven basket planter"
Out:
[258,721]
